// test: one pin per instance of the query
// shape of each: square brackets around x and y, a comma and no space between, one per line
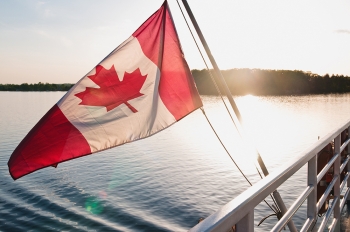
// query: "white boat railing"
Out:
[240,211]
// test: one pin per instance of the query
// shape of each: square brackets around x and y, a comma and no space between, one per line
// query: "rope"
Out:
[219,92]
[210,74]
[228,153]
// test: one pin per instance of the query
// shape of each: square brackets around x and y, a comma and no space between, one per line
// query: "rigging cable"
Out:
[228,153]
[218,90]
[212,78]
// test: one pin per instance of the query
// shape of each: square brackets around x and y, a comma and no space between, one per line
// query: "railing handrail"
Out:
[231,213]
[293,208]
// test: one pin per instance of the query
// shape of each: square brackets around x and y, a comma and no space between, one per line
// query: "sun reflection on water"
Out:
[240,149]
[270,122]
[270,125]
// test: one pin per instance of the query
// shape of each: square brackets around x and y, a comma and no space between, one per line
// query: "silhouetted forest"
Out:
[35,87]
[240,82]
[272,82]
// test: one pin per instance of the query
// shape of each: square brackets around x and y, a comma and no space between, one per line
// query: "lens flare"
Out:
[102,195]
[93,205]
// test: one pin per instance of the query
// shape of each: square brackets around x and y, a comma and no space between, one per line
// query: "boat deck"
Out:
[345,218]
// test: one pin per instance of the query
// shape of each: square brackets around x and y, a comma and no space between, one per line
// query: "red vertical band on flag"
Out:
[176,88]
[53,140]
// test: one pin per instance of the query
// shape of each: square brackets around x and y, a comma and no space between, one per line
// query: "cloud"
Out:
[42,33]
[48,13]
[44,10]
[3,24]
[342,31]
[65,41]
[39,4]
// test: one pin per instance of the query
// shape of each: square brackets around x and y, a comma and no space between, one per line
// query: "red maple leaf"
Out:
[112,91]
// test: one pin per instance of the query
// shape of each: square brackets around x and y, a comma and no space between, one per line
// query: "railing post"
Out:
[312,181]
[283,209]
[337,144]
[348,166]
[246,224]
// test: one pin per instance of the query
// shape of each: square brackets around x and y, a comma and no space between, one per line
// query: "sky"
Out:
[61,41]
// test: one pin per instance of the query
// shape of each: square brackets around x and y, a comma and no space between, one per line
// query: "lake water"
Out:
[166,182]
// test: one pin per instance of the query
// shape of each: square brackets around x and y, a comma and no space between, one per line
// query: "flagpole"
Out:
[220,79]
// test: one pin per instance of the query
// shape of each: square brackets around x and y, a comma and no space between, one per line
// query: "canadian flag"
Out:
[140,88]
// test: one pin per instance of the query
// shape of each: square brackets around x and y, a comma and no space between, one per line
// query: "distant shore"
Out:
[240,82]
[272,82]
[40,87]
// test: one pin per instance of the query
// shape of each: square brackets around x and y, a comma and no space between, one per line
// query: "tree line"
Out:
[272,82]
[35,87]
[240,82]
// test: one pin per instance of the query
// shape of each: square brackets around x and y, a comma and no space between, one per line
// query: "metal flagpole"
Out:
[220,79]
